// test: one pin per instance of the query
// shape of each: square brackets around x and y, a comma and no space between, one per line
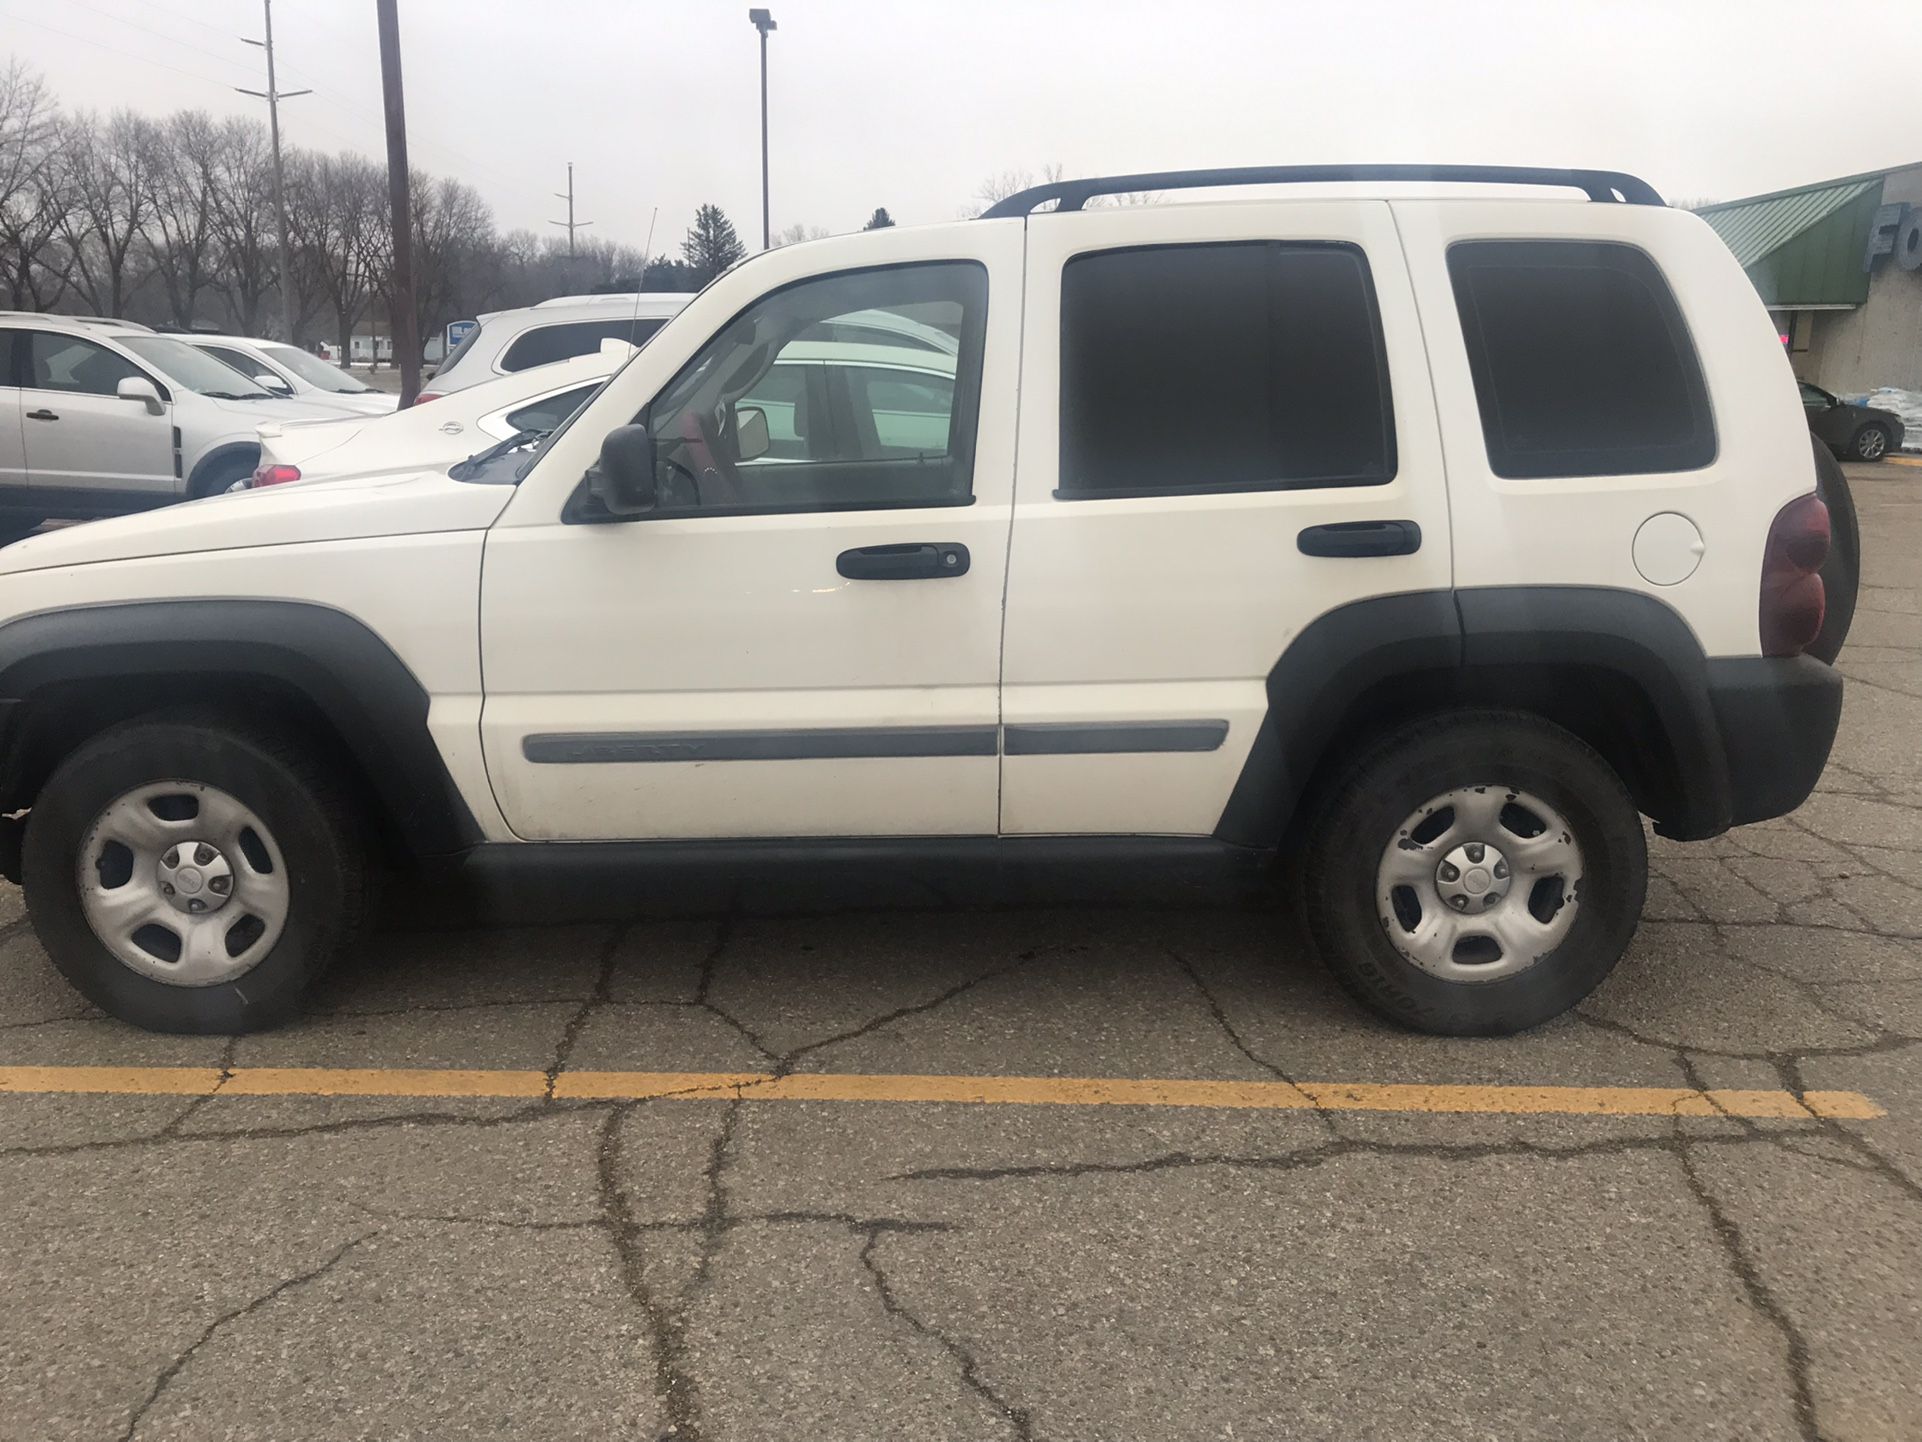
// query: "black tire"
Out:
[1870,443]
[220,477]
[1842,571]
[318,832]
[1385,783]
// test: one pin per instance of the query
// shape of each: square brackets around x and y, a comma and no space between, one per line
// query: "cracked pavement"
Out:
[229,1266]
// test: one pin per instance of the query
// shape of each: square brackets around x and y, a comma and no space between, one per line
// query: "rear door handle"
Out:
[913,561]
[42,415]
[1361,538]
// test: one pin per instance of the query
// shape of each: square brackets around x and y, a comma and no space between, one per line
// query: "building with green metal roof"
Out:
[1839,265]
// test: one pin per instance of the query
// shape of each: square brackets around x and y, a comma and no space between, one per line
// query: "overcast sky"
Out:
[911,104]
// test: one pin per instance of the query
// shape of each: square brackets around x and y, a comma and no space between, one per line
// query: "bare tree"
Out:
[333,210]
[453,236]
[1011,182]
[796,233]
[109,196]
[182,177]
[243,222]
[35,257]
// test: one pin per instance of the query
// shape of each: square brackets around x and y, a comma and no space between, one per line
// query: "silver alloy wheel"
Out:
[1871,443]
[183,883]
[1479,883]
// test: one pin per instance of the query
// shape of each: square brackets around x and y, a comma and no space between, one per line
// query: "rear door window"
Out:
[1583,365]
[1244,366]
[546,344]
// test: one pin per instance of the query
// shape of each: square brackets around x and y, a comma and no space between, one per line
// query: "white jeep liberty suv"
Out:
[1436,541]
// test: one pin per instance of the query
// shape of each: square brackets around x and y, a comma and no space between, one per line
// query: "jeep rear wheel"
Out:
[189,874]
[1476,874]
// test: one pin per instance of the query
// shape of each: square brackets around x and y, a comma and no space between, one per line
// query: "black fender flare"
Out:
[231,450]
[1477,646]
[375,705]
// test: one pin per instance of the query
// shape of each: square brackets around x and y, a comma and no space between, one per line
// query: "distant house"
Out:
[1839,265]
[363,350]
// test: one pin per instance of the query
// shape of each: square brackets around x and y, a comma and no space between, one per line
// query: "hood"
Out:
[358,508]
[255,412]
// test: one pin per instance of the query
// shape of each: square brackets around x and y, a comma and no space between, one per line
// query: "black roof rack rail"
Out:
[1602,185]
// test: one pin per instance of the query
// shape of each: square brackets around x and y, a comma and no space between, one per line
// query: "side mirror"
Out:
[750,432]
[273,383]
[139,388]
[622,480]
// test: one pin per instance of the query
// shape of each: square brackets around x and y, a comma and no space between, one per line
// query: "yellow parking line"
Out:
[1903,460]
[976,1090]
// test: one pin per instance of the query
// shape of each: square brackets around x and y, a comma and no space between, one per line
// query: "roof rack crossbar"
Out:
[1599,185]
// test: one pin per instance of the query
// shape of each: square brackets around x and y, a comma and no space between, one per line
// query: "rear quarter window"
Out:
[1582,362]
[546,344]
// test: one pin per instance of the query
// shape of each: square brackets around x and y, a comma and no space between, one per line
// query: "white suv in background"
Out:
[100,419]
[506,341]
[292,373]
[470,420]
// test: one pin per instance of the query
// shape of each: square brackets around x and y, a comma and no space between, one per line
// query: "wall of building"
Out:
[1880,342]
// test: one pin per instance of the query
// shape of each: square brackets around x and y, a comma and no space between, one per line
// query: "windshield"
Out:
[193,368]
[315,371]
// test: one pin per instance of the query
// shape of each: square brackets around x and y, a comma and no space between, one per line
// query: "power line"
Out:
[116,50]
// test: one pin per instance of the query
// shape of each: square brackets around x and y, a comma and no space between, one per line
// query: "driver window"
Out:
[68,363]
[850,391]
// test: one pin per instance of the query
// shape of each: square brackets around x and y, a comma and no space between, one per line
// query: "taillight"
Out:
[425,396]
[1792,597]
[275,475]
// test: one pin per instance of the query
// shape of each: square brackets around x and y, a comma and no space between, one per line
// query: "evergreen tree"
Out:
[711,245]
[880,220]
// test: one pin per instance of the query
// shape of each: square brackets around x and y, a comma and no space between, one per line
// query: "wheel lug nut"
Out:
[221,885]
[1460,903]
[1474,850]
[1450,872]
[1501,871]
[172,858]
[194,903]
[166,888]
[203,854]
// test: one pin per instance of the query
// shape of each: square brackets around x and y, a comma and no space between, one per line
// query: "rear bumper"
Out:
[1777,718]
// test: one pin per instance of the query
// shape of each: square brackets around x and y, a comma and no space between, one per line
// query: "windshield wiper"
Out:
[461,470]
[230,396]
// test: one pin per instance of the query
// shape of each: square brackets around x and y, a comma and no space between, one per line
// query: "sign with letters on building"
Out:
[1895,231]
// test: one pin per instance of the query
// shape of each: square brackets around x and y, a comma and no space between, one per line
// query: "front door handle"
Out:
[913,561]
[1361,538]
[42,415]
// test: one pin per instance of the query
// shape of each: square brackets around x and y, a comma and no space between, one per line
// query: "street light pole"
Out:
[763,21]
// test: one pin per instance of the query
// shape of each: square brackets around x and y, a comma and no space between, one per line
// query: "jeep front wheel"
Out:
[189,874]
[1476,874]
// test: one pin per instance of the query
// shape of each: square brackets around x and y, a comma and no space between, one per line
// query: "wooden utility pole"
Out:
[273,95]
[403,323]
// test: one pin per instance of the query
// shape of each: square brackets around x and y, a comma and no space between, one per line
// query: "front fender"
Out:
[349,676]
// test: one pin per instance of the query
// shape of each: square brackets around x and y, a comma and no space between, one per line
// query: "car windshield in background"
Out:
[193,368]
[315,371]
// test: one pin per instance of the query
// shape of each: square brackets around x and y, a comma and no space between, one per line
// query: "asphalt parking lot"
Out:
[893,1170]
